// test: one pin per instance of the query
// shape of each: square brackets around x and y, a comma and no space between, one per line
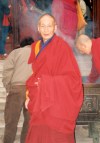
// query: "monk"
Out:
[55,92]
[90,47]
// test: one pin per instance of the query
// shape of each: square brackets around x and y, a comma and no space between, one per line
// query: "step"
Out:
[1,76]
[2,89]
[2,126]
[2,118]
[17,134]
[0,79]
[1,62]
[1,84]
[3,93]
[1,72]
[2,123]
[2,103]
[1,65]
[17,139]
[19,128]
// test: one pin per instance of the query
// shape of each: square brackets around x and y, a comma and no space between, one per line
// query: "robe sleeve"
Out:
[94,75]
[96,53]
[63,96]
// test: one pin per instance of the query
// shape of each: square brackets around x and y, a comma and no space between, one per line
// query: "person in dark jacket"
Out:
[16,72]
[4,10]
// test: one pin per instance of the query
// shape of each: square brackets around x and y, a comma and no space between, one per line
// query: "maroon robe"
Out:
[55,103]
[65,13]
[96,53]
[95,71]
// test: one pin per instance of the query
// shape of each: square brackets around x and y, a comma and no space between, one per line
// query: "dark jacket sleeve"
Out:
[5,7]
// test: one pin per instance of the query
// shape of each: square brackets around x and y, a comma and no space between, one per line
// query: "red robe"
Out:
[95,71]
[55,103]
[96,53]
[65,13]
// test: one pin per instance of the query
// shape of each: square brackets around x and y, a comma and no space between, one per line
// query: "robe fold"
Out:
[67,18]
[96,53]
[95,70]
[56,101]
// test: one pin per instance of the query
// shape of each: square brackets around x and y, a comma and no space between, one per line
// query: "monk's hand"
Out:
[37,82]
[26,102]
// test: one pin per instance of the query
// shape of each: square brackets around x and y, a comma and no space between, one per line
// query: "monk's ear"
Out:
[55,27]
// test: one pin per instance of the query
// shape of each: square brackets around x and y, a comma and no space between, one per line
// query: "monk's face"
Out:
[46,27]
[84,48]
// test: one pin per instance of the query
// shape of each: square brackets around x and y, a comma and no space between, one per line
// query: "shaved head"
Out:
[82,39]
[47,15]
[84,44]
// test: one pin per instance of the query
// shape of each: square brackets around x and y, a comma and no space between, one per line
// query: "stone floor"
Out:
[81,134]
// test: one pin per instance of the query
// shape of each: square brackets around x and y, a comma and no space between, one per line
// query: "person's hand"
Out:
[37,82]
[26,102]
[9,6]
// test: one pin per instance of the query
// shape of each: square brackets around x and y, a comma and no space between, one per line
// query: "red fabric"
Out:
[67,17]
[94,75]
[96,53]
[44,134]
[5,20]
[24,3]
[95,71]
[25,9]
[57,100]
[71,2]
